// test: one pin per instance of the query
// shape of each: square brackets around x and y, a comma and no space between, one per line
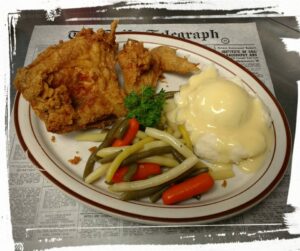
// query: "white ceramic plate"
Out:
[242,192]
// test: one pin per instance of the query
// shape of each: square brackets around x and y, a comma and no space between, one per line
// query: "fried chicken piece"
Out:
[73,85]
[170,62]
[138,66]
[144,67]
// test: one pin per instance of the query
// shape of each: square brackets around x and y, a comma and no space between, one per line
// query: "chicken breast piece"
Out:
[73,85]
[139,67]
[143,67]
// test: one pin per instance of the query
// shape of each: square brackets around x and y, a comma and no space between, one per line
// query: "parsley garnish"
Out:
[146,107]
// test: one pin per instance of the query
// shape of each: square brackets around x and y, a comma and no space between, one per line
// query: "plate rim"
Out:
[163,220]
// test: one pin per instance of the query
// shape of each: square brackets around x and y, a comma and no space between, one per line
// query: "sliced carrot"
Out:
[145,170]
[188,188]
[119,174]
[118,142]
[129,135]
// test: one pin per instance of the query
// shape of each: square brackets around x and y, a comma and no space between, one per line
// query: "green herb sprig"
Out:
[146,107]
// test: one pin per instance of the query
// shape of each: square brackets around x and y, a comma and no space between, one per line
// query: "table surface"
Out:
[283,65]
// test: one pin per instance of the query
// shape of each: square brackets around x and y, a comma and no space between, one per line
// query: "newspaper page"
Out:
[43,216]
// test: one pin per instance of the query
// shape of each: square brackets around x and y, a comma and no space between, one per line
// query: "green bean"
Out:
[131,171]
[91,136]
[170,94]
[171,140]
[144,154]
[200,170]
[136,195]
[111,135]
[160,160]
[110,157]
[104,152]
[156,196]
[141,135]
[89,166]
[122,129]
[97,174]
[177,155]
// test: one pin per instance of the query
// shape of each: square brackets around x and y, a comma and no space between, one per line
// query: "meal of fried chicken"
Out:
[144,67]
[73,85]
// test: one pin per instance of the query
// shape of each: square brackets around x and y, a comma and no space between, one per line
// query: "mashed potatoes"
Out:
[226,124]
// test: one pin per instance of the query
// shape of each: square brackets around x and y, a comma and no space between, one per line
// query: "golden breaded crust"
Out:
[73,85]
[144,67]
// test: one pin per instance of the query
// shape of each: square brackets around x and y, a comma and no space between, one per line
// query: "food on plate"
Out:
[189,188]
[146,106]
[168,146]
[108,140]
[93,149]
[141,66]
[91,136]
[138,66]
[226,124]
[224,183]
[117,161]
[210,125]
[126,132]
[155,193]
[144,110]
[73,85]
[171,62]
[75,160]
[147,165]
[136,172]
[155,180]
[181,164]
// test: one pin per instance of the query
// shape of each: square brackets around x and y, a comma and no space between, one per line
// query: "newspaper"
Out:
[43,216]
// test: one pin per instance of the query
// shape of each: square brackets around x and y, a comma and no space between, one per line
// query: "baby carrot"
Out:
[187,189]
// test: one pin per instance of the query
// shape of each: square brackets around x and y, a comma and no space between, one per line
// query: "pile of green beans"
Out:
[144,154]
[117,131]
